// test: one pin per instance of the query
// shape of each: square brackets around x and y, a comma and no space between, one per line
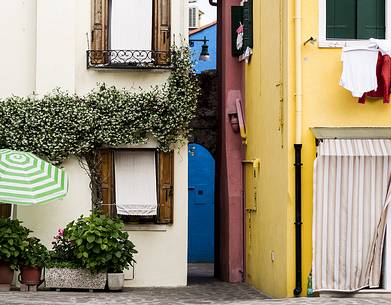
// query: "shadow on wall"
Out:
[204,124]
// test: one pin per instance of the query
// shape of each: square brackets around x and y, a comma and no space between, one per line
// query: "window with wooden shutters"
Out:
[99,34]
[107,179]
[166,188]
[5,210]
[355,19]
[347,20]
[161,39]
[130,34]
[137,185]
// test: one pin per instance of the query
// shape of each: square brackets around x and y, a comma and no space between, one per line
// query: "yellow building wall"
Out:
[266,228]
[271,228]
[325,103]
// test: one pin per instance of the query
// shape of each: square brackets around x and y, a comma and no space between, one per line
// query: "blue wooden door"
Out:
[201,204]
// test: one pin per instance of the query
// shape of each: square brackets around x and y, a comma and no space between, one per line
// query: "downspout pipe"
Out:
[298,146]
[298,289]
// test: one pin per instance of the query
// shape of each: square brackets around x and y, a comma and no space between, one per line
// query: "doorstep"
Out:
[363,293]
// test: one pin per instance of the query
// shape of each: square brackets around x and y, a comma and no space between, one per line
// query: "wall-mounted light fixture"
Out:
[204,55]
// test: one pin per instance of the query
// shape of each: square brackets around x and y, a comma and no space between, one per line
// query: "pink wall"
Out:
[230,209]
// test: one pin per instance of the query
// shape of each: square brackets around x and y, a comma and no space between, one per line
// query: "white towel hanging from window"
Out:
[359,69]
[135,183]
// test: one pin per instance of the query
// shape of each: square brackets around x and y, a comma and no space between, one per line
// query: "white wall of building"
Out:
[46,48]
[46,219]
[18,52]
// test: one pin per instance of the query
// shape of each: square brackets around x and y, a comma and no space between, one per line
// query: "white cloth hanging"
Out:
[359,70]
[135,183]
[351,198]
[384,45]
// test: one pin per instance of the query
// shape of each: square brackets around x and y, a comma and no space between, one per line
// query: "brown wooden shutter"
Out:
[166,188]
[99,36]
[161,30]
[107,174]
[5,210]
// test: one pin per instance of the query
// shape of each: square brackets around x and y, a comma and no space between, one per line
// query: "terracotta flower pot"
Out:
[30,275]
[6,274]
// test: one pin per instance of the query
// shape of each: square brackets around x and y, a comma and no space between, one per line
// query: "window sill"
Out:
[145,227]
[342,43]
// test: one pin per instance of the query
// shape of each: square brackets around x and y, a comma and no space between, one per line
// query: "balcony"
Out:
[128,59]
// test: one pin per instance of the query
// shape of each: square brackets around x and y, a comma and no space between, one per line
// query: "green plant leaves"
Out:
[13,241]
[95,242]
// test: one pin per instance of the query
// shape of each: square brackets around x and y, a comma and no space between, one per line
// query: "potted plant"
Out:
[97,245]
[32,259]
[64,270]
[122,259]
[13,240]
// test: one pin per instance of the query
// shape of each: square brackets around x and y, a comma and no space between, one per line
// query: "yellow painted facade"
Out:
[270,119]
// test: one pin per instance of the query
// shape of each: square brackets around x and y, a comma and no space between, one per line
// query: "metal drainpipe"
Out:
[298,222]
[298,146]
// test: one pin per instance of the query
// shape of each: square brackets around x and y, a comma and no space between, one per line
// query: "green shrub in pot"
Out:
[13,241]
[100,244]
[32,259]
[35,254]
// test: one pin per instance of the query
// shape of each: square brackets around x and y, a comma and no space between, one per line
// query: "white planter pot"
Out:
[115,281]
[74,278]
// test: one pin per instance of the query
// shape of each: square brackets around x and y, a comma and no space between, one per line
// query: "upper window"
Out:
[342,21]
[130,34]
[130,24]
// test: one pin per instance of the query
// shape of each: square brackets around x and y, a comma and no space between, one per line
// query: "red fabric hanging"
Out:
[383,73]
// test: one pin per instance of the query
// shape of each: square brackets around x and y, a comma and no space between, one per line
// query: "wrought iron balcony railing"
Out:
[128,59]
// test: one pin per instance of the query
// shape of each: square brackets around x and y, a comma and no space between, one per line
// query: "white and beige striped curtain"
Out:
[351,196]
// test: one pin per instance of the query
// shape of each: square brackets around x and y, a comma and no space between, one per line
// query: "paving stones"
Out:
[200,291]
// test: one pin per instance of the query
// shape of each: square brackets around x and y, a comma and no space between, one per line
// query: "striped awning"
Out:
[27,179]
[355,147]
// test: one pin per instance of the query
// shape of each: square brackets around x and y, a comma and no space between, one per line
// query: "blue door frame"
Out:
[201,204]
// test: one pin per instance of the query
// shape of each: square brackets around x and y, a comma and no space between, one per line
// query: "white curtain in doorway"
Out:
[351,197]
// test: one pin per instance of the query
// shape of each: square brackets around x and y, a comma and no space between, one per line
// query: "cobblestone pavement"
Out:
[201,291]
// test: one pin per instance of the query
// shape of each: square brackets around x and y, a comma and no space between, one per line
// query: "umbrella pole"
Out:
[12,211]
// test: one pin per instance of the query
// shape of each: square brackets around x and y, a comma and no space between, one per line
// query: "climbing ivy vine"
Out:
[59,124]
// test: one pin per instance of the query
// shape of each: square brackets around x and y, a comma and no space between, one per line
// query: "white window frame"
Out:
[324,43]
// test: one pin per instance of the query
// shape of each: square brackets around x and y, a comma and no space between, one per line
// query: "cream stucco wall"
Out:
[62,30]
[18,36]
[46,48]
[46,219]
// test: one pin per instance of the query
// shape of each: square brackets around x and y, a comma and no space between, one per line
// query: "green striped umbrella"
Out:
[26,179]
